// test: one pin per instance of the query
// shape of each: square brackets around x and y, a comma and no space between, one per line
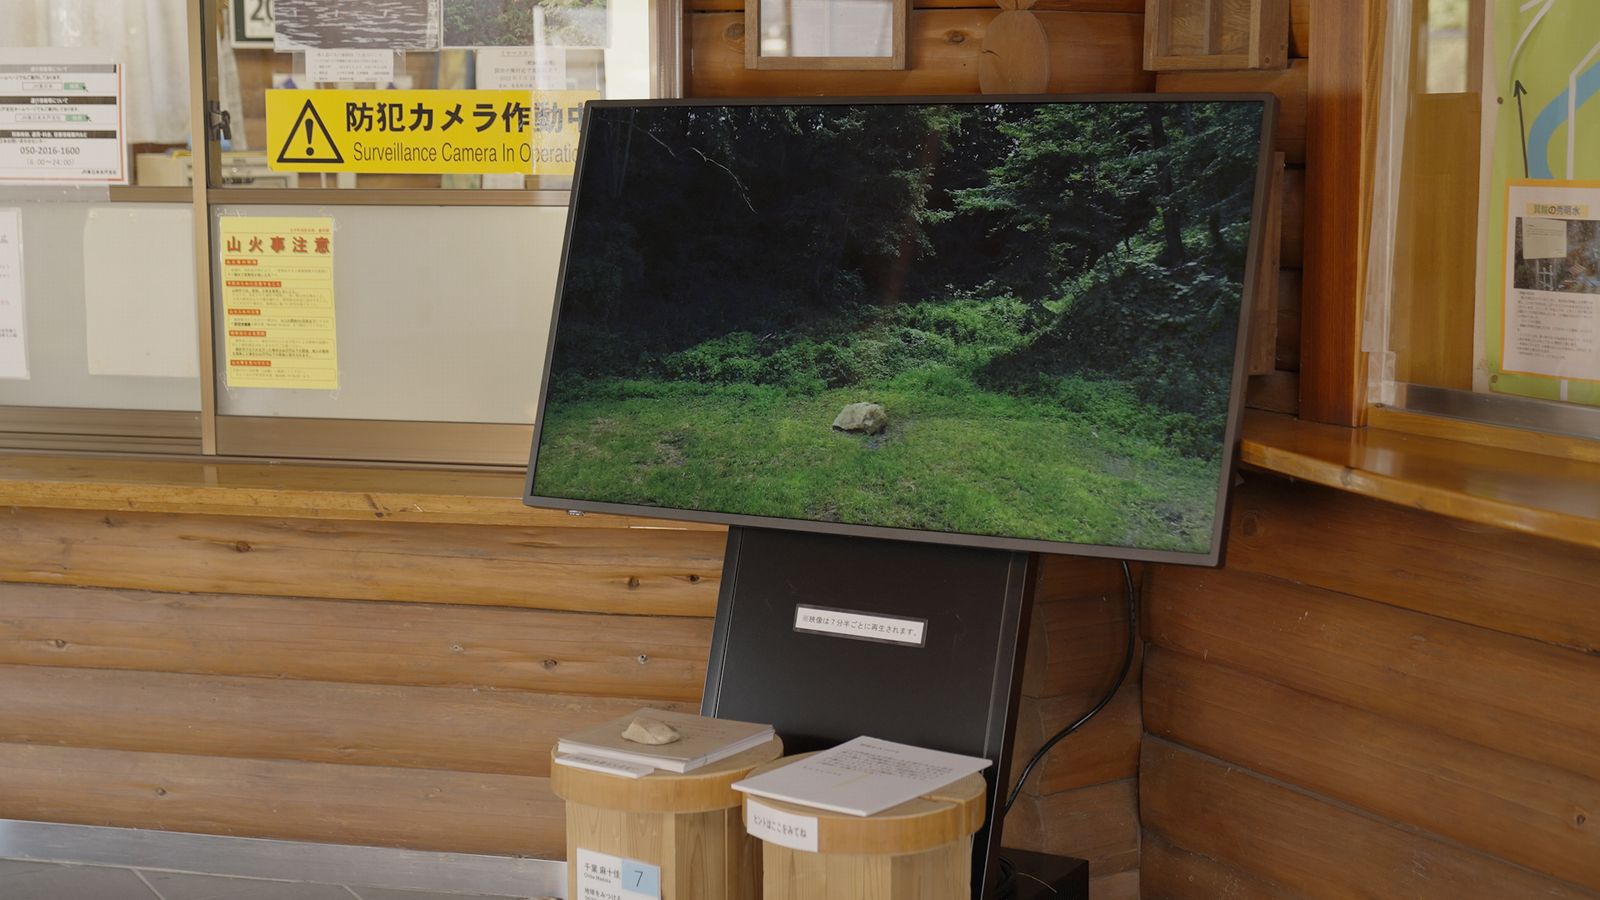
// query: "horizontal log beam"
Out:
[661,658]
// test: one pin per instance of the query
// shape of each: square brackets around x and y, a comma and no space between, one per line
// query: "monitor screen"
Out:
[1006,323]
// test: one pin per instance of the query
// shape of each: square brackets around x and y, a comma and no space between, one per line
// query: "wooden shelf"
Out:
[1526,492]
[1530,493]
[287,491]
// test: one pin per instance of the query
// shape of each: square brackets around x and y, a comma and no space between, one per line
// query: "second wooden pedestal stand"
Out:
[919,850]
[689,825]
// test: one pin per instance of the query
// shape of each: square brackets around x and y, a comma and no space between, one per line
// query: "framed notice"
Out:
[826,34]
[1550,314]
[61,118]
[253,25]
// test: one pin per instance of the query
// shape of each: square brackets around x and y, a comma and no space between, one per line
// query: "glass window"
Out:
[563,51]
[98,306]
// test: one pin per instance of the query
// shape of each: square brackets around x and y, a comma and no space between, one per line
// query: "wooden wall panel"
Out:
[1513,694]
[1292,254]
[1372,695]
[1076,646]
[1121,886]
[426,809]
[1099,823]
[1314,847]
[614,570]
[1091,52]
[1106,749]
[460,729]
[1167,872]
[1288,357]
[1340,123]
[1123,6]
[1299,28]
[358,642]
[1520,811]
[1469,573]
[1288,85]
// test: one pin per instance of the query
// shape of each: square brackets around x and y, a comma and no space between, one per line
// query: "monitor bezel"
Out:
[1253,257]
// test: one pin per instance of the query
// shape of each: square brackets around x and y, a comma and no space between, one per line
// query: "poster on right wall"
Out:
[1541,268]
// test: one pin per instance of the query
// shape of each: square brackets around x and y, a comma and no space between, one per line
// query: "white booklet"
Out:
[702,740]
[862,777]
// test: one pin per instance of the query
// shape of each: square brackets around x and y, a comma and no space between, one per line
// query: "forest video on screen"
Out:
[1042,298]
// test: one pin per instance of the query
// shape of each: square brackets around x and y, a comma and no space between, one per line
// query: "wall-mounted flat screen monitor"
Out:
[1012,323]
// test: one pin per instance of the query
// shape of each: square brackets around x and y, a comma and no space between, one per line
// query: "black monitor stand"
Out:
[830,637]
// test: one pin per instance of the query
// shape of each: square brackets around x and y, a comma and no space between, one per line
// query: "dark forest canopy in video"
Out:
[1042,300]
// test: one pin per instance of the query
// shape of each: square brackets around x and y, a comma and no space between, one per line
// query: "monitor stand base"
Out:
[1026,875]
[829,637]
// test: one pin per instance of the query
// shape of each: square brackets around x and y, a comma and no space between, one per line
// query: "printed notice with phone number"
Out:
[61,117]
[602,876]
[277,296]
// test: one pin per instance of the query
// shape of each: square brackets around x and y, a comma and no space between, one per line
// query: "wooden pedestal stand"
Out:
[689,825]
[920,850]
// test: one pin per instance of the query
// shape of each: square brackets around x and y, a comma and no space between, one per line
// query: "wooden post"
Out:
[689,825]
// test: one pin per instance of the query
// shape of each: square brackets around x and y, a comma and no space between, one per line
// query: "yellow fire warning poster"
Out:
[472,132]
[277,295]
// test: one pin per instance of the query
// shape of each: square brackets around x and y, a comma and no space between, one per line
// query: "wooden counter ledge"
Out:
[1541,495]
[286,490]
[1526,492]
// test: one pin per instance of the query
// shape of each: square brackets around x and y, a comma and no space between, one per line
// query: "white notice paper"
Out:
[862,777]
[13,339]
[602,876]
[139,292]
[61,117]
[522,68]
[360,66]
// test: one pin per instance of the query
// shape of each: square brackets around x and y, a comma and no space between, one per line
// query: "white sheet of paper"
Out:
[1544,238]
[862,777]
[522,68]
[61,117]
[361,66]
[139,292]
[13,333]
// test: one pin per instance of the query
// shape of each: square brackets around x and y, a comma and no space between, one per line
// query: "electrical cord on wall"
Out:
[1127,664]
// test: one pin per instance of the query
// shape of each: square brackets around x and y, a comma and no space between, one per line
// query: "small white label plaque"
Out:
[602,876]
[778,827]
[861,626]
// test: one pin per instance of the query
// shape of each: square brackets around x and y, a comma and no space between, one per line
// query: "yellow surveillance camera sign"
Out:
[425,132]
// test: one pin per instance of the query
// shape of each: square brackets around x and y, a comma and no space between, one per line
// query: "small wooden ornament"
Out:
[1016,55]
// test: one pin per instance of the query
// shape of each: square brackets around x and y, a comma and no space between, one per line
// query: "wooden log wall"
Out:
[397,683]
[376,682]
[1371,701]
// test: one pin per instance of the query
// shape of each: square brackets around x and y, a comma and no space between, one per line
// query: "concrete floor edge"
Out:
[380,867]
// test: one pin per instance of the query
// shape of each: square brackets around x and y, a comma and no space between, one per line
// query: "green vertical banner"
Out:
[1542,266]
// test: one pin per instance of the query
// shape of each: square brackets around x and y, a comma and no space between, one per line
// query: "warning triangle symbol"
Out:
[309,140]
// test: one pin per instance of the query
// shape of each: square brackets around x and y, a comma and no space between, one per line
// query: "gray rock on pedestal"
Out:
[862,418]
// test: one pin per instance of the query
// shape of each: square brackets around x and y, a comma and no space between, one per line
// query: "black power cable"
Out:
[1127,664]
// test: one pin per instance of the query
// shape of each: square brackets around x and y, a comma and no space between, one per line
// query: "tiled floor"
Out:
[27,880]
